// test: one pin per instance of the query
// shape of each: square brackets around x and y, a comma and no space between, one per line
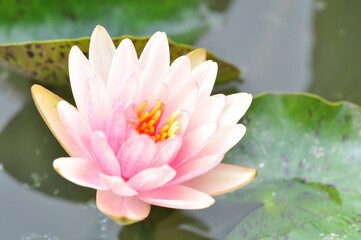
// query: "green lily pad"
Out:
[308,155]
[47,61]
[37,20]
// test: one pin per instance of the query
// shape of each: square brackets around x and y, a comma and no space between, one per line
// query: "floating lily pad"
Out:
[37,19]
[47,61]
[308,155]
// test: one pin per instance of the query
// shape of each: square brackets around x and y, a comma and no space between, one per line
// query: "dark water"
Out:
[280,45]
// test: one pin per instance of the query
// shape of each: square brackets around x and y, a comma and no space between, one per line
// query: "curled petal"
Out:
[47,103]
[178,197]
[222,179]
[101,51]
[80,171]
[152,178]
[235,107]
[123,210]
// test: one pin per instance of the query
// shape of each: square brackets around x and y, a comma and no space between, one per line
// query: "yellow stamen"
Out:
[148,122]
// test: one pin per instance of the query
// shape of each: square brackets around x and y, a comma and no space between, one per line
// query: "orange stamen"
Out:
[148,122]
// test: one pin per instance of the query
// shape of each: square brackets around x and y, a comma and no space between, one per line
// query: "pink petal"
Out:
[184,100]
[80,171]
[152,178]
[179,197]
[205,75]
[166,151]
[194,141]
[101,51]
[116,128]
[47,104]
[75,125]
[124,210]
[183,120]
[123,68]
[89,91]
[207,111]
[178,72]
[104,154]
[154,61]
[118,186]
[136,154]
[222,179]
[235,107]
[157,93]
[223,140]
[195,168]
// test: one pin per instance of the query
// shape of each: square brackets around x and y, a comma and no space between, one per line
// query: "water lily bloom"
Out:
[145,132]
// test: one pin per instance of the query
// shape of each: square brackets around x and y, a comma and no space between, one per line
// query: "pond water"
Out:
[280,45]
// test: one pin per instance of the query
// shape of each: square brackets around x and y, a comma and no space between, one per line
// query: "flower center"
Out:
[148,122]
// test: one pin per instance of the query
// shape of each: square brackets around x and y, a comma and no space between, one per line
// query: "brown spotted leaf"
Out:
[47,61]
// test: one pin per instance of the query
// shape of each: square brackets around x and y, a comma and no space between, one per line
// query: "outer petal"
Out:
[235,107]
[154,61]
[223,140]
[101,51]
[76,126]
[80,171]
[136,154]
[152,178]
[89,91]
[104,154]
[222,179]
[124,210]
[197,56]
[179,197]
[123,68]
[47,102]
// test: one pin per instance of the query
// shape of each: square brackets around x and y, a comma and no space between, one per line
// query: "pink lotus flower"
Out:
[145,132]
